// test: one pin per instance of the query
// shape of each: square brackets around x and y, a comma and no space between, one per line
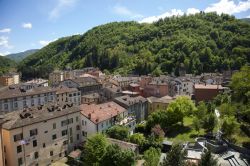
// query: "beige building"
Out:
[68,95]
[17,97]
[9,79]
[158,103]
[40,136]
[55,77]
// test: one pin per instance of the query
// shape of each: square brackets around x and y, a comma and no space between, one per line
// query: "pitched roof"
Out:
[101,112]
[33,115]
[17,91]
[128,101]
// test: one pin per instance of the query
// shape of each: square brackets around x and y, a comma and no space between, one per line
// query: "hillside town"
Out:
[46,122]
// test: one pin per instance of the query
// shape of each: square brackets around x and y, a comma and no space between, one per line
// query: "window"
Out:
[19,149]
[78,127]
[51,153]
[45,131]
[54,125]
[44,145]
[33,132]
[53,136]
[77,137]
[60,154]
[70,120]
[18,137]
[36,155]
[35,143]
[64,123]
[77,119]
[5,106]
[20,161]
[70,131]
[24,103]
[64,132]
[15,104]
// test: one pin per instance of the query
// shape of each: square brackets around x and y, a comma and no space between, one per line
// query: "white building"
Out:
[17,97]
[99,117]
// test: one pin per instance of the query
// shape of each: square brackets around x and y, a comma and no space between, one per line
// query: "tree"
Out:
[152,156]
[227,109]
[240,85]
[137,138]
[229,126]
[207,159]
[118,132]
[115,156]
[157,132]
[209,122]
[94,149]
[197,123]
[175,156]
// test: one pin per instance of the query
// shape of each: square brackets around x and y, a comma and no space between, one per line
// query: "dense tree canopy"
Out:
[203,42]
[118,132]
[6,64]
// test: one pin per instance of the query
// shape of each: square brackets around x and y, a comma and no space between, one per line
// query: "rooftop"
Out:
[17,91]
[164,99]
[207,86]
[65,89]
[127,100]
[33,115]
[101,112]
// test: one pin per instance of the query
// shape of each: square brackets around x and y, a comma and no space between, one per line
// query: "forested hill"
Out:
[197,43]
[6,64]
[21,55]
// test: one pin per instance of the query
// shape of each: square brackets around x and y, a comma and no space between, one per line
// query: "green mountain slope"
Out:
[21,55]
[197,43]
[246,20]
[6,64]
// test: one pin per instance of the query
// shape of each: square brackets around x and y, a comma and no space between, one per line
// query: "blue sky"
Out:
[28,24]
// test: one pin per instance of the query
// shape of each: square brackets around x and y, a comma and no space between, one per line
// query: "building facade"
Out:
[40,136]
[14,98]
[9,79]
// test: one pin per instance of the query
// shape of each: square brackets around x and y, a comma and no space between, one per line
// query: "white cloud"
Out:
[228,7]
[4,42]
[122,10]
[61,6]
[27,25]
[4,53]
[5,30]
[192,11]
[46,42]
[173,12]
[248,16]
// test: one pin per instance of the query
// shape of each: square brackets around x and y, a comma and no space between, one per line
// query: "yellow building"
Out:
[41,135]
[9,79]
[158,103]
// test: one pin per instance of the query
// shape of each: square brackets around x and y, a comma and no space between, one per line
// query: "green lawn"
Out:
[179,133]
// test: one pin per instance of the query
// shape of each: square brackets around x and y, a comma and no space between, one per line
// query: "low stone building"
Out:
[158,103]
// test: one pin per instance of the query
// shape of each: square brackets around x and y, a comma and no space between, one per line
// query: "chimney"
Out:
[89,115]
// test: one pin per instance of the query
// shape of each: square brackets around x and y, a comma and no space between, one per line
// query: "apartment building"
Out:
[17,97]
[137,106]
[204,92]
[65,94]
[158,103]
[99,117]
[84,84]
[41,135]
[9,79]
[56,77]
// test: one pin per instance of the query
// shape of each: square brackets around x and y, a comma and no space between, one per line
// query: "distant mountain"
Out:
[21,55]
[204,42]
[6,64]
[246,20]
